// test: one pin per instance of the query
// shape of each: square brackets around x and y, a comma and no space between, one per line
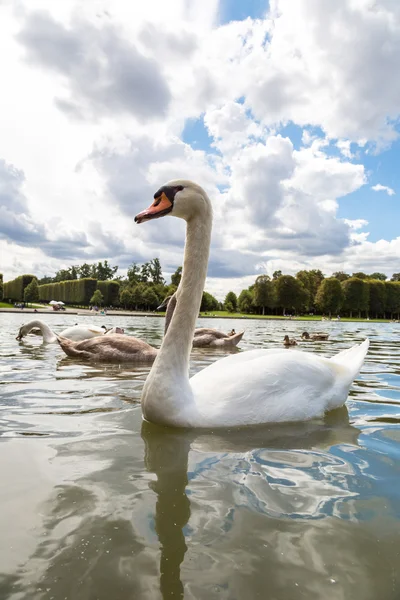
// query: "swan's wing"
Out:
[268,386]
[200,331]
[243,357]
[82,332]
[114,348]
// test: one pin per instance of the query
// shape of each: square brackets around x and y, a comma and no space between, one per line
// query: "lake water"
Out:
[97,505]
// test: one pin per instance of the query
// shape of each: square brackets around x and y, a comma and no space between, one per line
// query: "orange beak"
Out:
[160,207]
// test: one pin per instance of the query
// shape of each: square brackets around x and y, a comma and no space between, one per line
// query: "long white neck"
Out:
[167,389]
[48,336]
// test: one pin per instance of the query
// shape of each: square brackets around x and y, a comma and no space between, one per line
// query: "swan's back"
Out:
[110,348]
[82,332]
[263,386]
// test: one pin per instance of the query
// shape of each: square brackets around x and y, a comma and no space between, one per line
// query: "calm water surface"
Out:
[96,505]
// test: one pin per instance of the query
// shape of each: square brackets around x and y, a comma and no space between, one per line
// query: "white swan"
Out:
[253,387]
[75,333]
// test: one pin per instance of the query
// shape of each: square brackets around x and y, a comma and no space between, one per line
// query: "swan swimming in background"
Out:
[253,387]
[75,333]
[111,348]
[203,337]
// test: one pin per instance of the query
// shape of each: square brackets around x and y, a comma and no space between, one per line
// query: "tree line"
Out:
[311,292]
[144,288]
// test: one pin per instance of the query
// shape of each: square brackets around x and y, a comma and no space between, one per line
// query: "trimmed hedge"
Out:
[14,290]
[74,291]
[1,286]
[110,291]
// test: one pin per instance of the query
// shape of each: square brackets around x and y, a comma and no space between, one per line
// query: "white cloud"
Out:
[383,188]
[345,148]
[95,97]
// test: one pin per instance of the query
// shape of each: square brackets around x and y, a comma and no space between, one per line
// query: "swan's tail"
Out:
[233,340]
[352,358]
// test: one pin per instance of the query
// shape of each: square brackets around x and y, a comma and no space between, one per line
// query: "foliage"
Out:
[356,295]
[290,293]
[330,296]
[78,291]
[341,275]
[125,298]
[97,298]
[311,281]
[208,303]
[1,286]
[395,277]
[156,272]
[392,297]
[245,301]
[264,293]
[231,299]
[31,292]
[133,273]
[380,276]
[377,296]
[101,271]
[110,291]
[276,274]
[176,277]
[360,275]
[14,290]
[150,299]
[229,307]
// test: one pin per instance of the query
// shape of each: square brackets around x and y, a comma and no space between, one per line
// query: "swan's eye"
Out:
[157,202]
[178,188]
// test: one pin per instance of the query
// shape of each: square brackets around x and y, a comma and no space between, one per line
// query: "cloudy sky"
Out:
[286,112]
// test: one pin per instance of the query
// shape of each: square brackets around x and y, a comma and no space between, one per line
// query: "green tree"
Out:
[311,281]
[1,286]
[232,299]
[229,307]
[63,275]
[377,297]
[31,292]
[290,293]
[97,298]
[145,272]
[156,271]
[125,297]
[103,271]
[380,276]
[356,295]
[263,292]
[208,303]
[84,271]
[341,275]
[245,301]
[150,299]
[330,296]
[133,273]
[392,297]
[45,279]
[176,277]
[276,274]
[360,275]
[395,277]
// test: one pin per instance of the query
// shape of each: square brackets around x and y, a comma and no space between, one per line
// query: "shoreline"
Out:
[122,313]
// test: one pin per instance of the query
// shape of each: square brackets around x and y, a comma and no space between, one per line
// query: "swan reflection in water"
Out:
[227,514]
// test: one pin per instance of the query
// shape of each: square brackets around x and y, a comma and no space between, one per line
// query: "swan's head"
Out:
[23,331]
[178,198]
